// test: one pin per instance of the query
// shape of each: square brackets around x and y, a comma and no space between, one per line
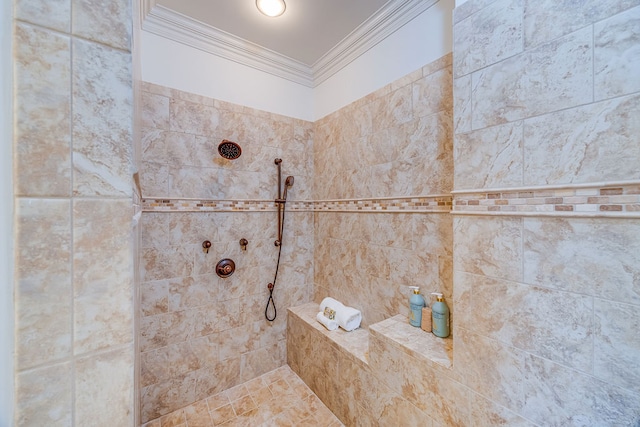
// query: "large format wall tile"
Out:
[43,274]
[549,19]
[489,158]
[490,368]
[42,112]
[555,325]
[550,77]
[558,396]
[586,256]
[104,388]
[489,36]
[496,250]
[44,396]
[591,143]
[617,53]
[462,104]
[54,14]
[108,23]
[102,126]
[103,308]
[617,344]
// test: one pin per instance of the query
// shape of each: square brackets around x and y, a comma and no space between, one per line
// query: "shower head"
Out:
[229,149]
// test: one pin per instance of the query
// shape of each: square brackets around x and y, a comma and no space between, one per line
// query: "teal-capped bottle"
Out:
[440,317]
[416,302]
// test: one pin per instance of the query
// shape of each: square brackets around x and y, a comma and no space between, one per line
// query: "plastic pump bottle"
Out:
[416,302]
[440,317]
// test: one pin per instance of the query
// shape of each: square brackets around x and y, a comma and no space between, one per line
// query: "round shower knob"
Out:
[225,267]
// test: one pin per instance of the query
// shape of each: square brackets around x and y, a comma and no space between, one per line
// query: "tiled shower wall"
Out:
[395,143]
[201,334]
[547,100]
[73,249]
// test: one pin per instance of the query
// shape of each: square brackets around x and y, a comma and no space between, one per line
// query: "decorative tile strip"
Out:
[620,199]
[436,203]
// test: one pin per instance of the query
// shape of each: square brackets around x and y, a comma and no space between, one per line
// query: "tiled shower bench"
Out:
[387,374]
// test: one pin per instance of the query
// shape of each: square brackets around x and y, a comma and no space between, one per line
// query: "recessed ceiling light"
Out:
[271,8]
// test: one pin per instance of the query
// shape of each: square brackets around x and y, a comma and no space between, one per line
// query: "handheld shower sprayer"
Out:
[280,201]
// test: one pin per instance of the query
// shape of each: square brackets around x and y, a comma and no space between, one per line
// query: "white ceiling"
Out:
[305,32]
[310,42]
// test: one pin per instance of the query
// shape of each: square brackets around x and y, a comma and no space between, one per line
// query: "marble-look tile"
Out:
[429,146]
[529,319]
[551,77]
[54,14]
[104,388]
[153,146]
[44,281]
[199,183]
[490,368]
[558,396]
[154,297]
[468,8]
[245,185]
[587,256]
[489,36]
[193,118]
[392,110]
[103,287]
[433,234]
[155,111]
[154,228]
[617,53]
[569,146]
[617,344]
[489,158]
[42,110]
[548,19]
[102,128]
[165,329]
[491,246]
[198,415]
[44,396]
[265,359]
[187,292]
[462,104]
[154,179]
[163,398]
[487,413]
[433,93]
[166,263]
[168,362]
[214,379]
[109,23]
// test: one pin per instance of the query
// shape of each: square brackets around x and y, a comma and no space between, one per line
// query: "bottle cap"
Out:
[438,296]
[416,290]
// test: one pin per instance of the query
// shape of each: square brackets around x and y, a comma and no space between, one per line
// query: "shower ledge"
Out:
[394,331]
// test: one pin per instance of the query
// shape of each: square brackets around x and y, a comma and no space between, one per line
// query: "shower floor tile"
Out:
[276,399]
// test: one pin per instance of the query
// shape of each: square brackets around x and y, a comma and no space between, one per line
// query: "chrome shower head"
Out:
[229,149]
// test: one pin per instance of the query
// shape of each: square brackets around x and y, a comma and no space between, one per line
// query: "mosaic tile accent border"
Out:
[435,203]
[607,199]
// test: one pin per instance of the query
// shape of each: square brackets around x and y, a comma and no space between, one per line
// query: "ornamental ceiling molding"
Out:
[164,22]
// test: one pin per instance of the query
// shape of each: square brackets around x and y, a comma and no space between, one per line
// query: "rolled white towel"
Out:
[330,324]
[348,318]
[333,304]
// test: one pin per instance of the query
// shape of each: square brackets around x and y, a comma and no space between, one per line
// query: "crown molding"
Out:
[167,23]
[390,18]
